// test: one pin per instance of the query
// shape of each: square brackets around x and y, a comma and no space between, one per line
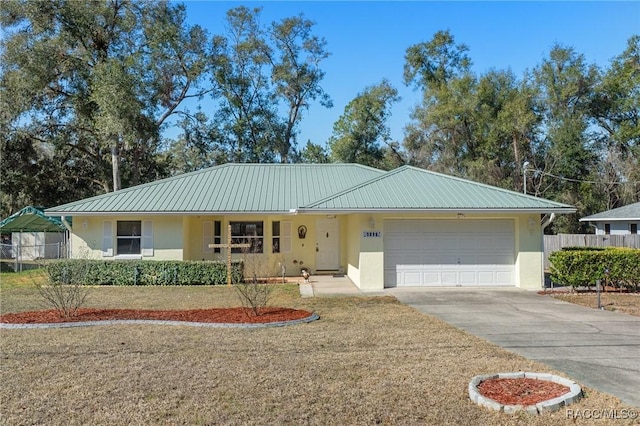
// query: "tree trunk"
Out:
[519,183]
[115,166]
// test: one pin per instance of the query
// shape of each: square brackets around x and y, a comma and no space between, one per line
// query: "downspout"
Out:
[546,223]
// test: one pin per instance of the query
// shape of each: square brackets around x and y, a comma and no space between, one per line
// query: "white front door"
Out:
[327,245]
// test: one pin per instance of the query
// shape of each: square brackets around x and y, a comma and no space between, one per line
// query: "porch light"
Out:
[372,222]
[532,223]
[85,224]
[460,215]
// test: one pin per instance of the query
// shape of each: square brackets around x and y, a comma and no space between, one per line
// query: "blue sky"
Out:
[368,40]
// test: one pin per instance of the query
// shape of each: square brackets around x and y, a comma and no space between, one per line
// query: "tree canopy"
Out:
[89,89]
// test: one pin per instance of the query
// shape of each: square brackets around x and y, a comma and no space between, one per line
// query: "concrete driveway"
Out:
[596,348]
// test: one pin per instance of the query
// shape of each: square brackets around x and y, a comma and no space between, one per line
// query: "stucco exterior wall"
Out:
[361,244]
[529,273]
[87,236]
[368,271]
[302,253]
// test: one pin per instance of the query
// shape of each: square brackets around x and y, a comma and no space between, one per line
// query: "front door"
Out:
[327,244]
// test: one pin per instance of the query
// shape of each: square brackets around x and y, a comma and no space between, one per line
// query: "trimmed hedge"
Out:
[142,272]
[619,267]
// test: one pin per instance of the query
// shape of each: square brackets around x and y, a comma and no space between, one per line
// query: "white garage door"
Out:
[448,252]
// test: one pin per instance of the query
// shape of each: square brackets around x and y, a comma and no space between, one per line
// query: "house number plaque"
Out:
[372,234]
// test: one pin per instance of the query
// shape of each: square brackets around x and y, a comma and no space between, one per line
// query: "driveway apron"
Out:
[597,348]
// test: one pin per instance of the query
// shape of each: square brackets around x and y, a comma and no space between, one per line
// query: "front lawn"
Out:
[627,303]
[366,361]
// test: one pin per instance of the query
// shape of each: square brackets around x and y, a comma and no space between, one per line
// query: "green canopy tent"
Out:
[31,224]
[31,219]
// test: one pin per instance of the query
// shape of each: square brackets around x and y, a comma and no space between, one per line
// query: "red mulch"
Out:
[522,391]
[214,315]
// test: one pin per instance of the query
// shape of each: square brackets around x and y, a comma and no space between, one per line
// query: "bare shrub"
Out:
[66,295]
[256,291]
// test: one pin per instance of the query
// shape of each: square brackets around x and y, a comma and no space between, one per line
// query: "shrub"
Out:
[619,267]
[67,293]
[143,272]
[255,291]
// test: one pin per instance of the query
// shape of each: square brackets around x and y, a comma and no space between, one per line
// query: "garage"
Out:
[458,252]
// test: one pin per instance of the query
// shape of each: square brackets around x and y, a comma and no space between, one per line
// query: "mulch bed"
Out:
[215,315]
[521,391]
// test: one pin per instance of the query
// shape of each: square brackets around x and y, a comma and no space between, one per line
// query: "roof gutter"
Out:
[558,210]
[439,210]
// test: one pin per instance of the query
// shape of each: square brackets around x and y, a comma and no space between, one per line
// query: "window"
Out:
[217,235]
[607,229]
[281,233]
[275,232]
[247,233]
[129,237]
[633,228]
[211,234]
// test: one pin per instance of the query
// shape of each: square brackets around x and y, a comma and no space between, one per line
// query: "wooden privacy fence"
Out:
[557,242]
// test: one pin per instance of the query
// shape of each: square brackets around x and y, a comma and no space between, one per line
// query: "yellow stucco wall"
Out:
[366,255]
[301,255]
[361,257]
[86,239]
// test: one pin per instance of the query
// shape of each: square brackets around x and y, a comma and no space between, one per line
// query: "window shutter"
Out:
[285,237]
[107,238]
[147,238]
[207,237]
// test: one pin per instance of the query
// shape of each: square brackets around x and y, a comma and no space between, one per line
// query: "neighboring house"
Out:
[33,235]
[405,227]
[621,221]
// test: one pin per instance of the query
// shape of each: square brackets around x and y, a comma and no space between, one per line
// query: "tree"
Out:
[362,128]
[296,75]
[567,151]
[259,74]
[99,79]
[440,134]
[615,107]
[313,154]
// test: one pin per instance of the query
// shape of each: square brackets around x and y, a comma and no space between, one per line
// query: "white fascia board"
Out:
[452,210]
[177,213]
[612,219]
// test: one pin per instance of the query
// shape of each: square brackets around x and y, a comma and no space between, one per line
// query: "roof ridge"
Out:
[356,187]
[484,185]
[405,167]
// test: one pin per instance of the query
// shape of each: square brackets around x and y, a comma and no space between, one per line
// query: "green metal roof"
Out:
[229,188]
[410,188]
[263,188]
[628,212]
[31,219]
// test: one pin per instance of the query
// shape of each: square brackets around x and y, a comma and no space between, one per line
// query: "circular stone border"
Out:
[550,405]
[310,318]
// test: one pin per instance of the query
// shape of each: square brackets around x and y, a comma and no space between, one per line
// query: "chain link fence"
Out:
[18,257]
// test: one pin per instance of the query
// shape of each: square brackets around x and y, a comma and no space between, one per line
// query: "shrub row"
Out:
[619,267]
[141,272]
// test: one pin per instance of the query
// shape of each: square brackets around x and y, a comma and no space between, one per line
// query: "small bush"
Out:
[142,272]
[618,267]
[67,294]
[255,291]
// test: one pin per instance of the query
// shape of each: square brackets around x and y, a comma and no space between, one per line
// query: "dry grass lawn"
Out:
[627,303]
[366,361]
